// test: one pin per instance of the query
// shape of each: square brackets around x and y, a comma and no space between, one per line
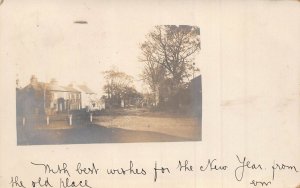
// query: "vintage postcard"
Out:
[150,94]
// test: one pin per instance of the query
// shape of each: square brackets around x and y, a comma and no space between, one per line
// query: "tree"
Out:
[119,86]
[152,75]
[172,48]
[168,54]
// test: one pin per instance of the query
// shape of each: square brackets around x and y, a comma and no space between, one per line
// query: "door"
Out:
[61,104]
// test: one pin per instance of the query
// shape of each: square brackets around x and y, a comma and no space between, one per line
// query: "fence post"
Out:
[23,121]
[70,119]
[47,120]
[91,117]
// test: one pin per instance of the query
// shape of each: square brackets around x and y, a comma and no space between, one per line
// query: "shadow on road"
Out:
[90,134]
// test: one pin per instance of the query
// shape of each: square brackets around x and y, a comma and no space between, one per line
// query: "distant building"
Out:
[89,99]
[47,98]
[195,88]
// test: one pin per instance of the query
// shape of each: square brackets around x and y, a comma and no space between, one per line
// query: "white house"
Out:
[89,99]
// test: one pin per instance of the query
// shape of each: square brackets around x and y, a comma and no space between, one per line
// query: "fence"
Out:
[62,120]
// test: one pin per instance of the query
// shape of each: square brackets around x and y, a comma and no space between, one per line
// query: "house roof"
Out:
[71,89]
[36,86]
[51,87]
[85,89]
[196,79]
[196,83]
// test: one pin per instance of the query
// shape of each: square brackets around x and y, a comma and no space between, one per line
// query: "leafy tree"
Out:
[168,55]
[119,86]
[172,49]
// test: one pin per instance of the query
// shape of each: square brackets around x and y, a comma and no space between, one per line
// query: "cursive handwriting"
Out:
[59,170]
[162,170]
[211,166]
[261,183]
[282,167]
[130,170]
[185,166]
[67,183]
[239,171]
[40,183]
[16,183]
[92,170]
[243,166]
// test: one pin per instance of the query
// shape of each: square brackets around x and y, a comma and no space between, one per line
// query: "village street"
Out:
[177,125]
[124,126]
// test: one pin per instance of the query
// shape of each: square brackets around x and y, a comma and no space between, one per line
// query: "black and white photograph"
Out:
[115,85]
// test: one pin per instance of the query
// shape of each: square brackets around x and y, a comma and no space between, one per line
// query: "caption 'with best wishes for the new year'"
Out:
[60,175]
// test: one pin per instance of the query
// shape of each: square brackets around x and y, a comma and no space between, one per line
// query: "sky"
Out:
[50,45]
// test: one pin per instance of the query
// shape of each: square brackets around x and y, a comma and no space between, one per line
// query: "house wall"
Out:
[90,101]
[64,101]
[85,99]
[29,102]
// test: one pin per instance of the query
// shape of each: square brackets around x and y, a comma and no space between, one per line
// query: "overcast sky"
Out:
[48,44]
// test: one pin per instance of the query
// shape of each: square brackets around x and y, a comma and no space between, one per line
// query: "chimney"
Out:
[53,81]
[33,80]
[72,84]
